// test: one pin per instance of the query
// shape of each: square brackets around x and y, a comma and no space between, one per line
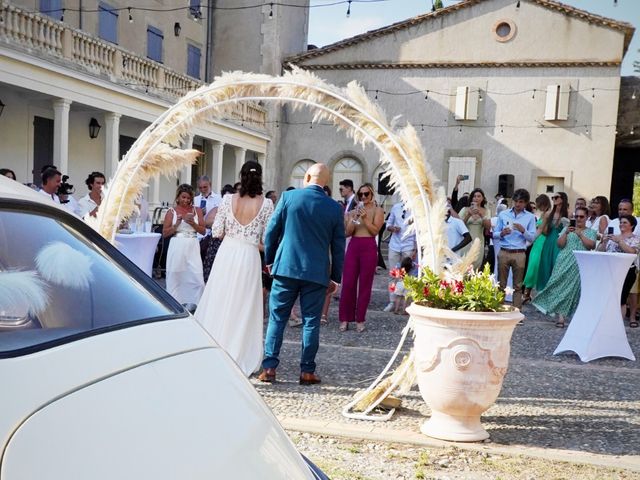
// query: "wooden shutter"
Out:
[108,23]
[461,103]
[193,61]
[154,43]
[51,8]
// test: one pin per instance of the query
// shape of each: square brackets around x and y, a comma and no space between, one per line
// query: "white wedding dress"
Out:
[231,307]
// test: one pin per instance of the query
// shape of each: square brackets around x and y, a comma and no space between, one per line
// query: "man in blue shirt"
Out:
[514,229]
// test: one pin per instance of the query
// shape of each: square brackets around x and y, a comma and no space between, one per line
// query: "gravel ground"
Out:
[344,459]
[547,401]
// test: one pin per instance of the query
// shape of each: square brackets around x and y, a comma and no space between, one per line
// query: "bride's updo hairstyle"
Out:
[250,179]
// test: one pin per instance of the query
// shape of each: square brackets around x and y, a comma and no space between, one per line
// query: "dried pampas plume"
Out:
[350,109]
[53,263]
[22,294]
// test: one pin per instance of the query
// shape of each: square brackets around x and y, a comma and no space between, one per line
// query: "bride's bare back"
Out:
[246,208]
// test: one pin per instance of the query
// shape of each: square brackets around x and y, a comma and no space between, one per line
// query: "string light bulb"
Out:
[130,16]
[633,95]
[480,95]
[426,97]
[62,16]
[518,4]
[349,9]
[631,132]
[376,97]
[271,10]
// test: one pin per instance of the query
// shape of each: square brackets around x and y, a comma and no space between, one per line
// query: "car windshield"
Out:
[56,284]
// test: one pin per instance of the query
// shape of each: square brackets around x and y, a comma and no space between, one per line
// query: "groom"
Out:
[305,225]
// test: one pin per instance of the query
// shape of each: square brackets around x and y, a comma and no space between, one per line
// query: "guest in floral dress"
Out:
[562,293]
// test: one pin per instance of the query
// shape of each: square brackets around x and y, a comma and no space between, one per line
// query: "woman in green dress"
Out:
[553,223]
[562,293]
[543,205]
[477,218]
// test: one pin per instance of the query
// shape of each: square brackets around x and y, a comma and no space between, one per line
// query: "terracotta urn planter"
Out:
[461,359]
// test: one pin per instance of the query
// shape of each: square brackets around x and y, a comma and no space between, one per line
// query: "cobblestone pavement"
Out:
[550,406]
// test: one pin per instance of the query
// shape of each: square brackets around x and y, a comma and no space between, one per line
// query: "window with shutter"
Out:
[154,43]
[466,107]
[193,61]
[52,8]
[108,23]
[557,103]
[194,8]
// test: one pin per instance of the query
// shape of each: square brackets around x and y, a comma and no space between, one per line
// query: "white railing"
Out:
[32,31]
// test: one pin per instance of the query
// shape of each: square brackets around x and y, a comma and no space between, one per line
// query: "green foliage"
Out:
[473,291]
[636,194]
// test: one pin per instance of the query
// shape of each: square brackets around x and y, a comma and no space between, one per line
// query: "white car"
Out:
[104,376]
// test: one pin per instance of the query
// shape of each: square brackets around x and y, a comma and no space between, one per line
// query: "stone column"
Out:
[215,174]
[61,109]
[111,143]
[240,159]
[185,174]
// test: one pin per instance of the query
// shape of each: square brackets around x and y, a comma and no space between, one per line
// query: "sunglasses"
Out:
[363,194]
[555,197]
[580,216]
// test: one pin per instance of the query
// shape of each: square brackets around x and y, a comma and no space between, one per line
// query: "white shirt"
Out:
[86,205]
[455,231]
[212,201]
[615,223]
[400,241]
[53,196]
[72,206]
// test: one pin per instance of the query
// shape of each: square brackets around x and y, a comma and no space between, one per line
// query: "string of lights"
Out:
[531,91]
[197,10]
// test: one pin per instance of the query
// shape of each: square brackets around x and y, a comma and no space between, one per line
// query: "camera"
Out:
[65,188]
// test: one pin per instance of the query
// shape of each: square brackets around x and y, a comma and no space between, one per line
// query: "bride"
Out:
[231,306]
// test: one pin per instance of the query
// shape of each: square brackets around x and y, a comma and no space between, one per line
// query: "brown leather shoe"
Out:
[309,378]
[267,375]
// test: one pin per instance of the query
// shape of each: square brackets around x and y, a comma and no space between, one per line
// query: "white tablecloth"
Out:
[139,248]
[597,329]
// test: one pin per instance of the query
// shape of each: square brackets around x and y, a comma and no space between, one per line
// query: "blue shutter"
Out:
[108,23]
[154,44]
[52,8]
[194,8]
[193,61]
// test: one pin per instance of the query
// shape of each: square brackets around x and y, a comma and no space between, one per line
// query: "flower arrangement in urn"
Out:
[473,291]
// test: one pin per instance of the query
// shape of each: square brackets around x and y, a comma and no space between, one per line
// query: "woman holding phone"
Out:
[361,224]
[543,205]
[477,218]
[562,293]
[626,242]
[184,265]
[553,223]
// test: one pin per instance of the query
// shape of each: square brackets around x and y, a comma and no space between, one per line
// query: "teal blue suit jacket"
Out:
[306,225]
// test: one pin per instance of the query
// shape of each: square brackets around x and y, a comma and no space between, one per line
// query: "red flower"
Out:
[458,287]
[392,287]
[444,284]
[397,273]
[425,291]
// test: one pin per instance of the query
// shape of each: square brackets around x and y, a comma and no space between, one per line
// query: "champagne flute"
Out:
[358,209]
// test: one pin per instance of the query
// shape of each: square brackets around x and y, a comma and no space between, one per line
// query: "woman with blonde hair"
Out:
[362,224]
[184,266]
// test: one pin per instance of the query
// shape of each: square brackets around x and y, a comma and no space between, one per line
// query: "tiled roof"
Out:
[624,27]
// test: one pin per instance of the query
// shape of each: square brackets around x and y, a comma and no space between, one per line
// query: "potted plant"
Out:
[462,344]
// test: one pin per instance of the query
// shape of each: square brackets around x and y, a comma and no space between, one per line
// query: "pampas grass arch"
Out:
[157,150]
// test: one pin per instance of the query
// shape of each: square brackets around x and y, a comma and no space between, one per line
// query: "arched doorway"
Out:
[298,171]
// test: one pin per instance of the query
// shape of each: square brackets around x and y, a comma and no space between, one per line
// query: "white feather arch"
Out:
[157,150]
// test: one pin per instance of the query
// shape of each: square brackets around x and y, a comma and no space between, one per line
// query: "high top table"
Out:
[597,328]
[139,248]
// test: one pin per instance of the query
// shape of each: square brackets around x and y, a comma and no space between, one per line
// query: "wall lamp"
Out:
[94,128]
[176,29]
[1,107]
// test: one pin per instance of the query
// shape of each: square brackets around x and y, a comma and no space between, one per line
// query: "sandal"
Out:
[324,320]
[360,327]
[559,324]
[633,324]
[343,326]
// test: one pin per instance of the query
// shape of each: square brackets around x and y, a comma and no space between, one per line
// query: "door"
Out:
[42,146]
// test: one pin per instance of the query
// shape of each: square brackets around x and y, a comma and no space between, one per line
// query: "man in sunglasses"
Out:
[348,195]
[401,243]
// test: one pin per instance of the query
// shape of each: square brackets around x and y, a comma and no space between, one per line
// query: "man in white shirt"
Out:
[401,243]
[625,207]
[89,204]
[51,180]
[207,200]
[458,235]
[348,195]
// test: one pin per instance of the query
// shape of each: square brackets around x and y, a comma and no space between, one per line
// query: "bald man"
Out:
[306,225]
